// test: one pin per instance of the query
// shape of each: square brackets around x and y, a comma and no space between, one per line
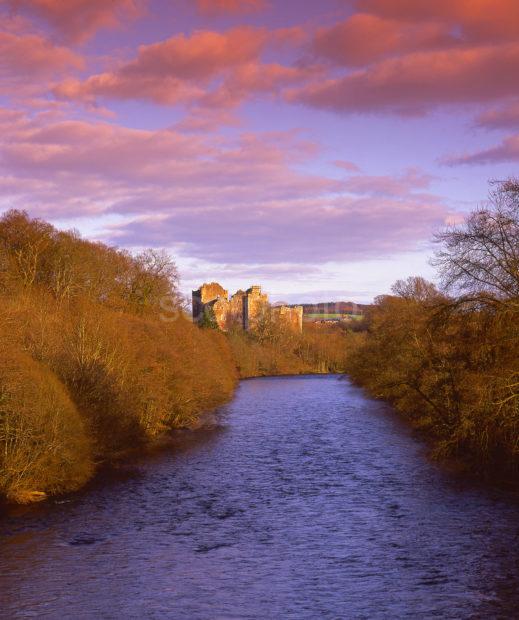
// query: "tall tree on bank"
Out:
[450,361]
[479,259]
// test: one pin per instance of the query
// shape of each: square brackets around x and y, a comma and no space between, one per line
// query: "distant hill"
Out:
[333,311]
[334,307]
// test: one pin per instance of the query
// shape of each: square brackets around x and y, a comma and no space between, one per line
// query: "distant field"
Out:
[330,317]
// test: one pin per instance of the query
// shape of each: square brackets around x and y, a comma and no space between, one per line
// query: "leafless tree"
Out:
[480,258]
[417,289]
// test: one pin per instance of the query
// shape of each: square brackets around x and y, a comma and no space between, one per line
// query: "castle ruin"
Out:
[243,309]
[289,316]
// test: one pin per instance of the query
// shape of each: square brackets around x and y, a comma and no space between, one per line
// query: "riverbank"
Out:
[100,358]
[98,392]
[112,461]
[317,350]
[448,359]
[102,395]
[450,370]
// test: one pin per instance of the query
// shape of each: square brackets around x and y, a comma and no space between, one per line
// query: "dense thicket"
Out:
[96,356]
[271,350]
[449,360]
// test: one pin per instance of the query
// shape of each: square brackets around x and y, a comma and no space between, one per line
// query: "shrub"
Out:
[44,445]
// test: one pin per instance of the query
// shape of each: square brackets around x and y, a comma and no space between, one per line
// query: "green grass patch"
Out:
[331,316]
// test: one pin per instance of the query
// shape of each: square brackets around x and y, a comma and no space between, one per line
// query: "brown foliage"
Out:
[451,364]
[99,357]
[44,443]
[271,349]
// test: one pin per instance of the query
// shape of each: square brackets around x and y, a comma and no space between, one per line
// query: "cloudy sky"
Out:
[311,146]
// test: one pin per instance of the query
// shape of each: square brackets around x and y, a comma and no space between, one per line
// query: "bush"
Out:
[449,362]
[93,367]
[317,350]
[44,442]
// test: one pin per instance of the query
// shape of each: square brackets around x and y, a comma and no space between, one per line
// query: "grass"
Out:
[332,316]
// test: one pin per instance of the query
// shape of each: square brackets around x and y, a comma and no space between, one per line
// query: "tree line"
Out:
[272,349]
[99,357]
[91,367]
[447,357]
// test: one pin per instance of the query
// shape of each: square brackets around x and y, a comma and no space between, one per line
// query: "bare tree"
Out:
[480,258]
[417,289]
[24,242]
[152,278]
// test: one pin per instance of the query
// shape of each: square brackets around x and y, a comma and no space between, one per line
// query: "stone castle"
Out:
[243,309]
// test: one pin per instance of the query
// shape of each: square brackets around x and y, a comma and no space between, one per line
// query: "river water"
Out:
[305,500]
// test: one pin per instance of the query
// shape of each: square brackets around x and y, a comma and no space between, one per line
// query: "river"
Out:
[305,500]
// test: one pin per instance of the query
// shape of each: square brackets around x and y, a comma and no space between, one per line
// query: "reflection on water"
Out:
[307,501]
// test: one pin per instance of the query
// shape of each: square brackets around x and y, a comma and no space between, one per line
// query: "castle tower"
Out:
[237,309]
[213,296]
[291,317]
[254,304]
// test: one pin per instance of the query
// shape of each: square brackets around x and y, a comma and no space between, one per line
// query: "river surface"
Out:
[306,500]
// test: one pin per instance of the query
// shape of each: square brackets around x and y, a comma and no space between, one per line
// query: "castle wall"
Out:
[244,309]
[290,316]
[221,312]
[211,295]
[255,304]
[212,291]
[237,310]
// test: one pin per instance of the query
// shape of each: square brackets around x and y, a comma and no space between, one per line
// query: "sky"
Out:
[311,147]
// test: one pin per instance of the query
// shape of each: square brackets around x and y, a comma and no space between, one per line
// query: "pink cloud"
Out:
[365,38]
[29,64]
[254,78]
[417,82]
[257,77]
[202,120]
[177,70]
[199,56]
[162,184]
[210,69]
[401,185]
[349,166]
[194,168]
[507,151]
[479,20]
[505,117]
[216,7]
[410,56]
[293,231]
[30,55]
[77,20]
[97,150]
